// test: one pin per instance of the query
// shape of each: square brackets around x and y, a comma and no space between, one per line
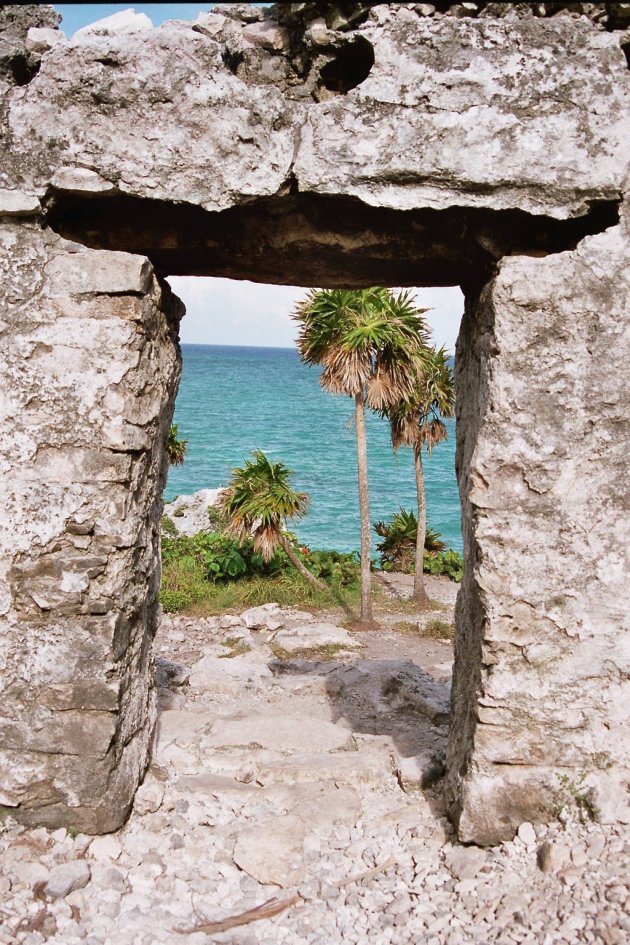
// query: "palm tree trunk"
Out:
[299,566]
[364,508]
[419,591]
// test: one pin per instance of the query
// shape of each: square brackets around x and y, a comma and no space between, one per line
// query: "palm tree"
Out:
[175,448]
[398,541]
[416,421]
[257,503]
[371,344]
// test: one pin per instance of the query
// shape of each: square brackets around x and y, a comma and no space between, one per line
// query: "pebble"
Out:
[67,877]
[527,834]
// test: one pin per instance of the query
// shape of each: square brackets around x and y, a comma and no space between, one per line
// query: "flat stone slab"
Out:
[223,673]
[273,851]
[281,732]
[319,805]
[366,767]
[308,636]
[178,725]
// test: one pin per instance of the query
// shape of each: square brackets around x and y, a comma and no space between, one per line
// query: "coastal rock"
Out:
[189,513]
[118,24]
[220,673]
[265,617]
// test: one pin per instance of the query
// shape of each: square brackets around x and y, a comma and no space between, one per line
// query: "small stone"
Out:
[527,834]
[105,848]
[418,771]
[552,856]
[67,877]
[465,862]
[149,797]
[40,39]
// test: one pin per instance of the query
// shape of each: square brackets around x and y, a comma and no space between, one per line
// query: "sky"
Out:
[76,15]
[227,312]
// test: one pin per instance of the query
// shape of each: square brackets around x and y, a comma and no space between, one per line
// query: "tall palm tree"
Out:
[175,448]
[417,421]
[257,503]
[370,344]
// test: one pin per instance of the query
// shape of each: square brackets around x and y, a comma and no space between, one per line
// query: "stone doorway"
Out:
[90,225]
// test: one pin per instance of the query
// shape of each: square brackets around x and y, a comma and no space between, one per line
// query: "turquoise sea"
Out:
[233,400]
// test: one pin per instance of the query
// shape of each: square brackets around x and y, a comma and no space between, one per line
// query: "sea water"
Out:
[233,400]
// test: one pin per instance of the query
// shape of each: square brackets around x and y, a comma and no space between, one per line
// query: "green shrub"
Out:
[398,545]
[440,630]
[448,562]
[338,568]
[183,583]
[168,527]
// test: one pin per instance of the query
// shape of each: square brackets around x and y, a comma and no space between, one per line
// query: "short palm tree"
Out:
[417,421]
[370,344]
[398,541]
[175,448]
[256,505]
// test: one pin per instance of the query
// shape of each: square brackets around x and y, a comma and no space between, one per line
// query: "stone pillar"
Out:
[541,688]
[89,367]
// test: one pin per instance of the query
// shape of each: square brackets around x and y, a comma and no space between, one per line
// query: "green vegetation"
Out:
[213,573]
[256,505]
[371,345]
[439,630]
[448,562]
[398,545]
[416,421]
[175,448]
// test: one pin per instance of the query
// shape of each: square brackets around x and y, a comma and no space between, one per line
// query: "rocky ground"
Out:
[295,798]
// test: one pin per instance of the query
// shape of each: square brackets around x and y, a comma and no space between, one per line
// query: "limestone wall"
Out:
[488,151]
[88,378]
[541,689]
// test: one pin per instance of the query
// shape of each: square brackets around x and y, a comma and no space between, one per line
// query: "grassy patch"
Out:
[408,628]
[325,652]
[185,589]
[440,630]
[404,605]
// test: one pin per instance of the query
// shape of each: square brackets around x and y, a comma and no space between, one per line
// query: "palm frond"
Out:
[258,501]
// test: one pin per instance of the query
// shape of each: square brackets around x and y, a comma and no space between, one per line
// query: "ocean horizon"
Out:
[237,398]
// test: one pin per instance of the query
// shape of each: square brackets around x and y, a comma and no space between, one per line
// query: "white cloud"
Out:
[231,312]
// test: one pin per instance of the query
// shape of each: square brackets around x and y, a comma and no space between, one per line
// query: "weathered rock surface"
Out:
[467,144]
[369,863]
[91,346]
[281,732]
[273,851]
[298,638]
[542,676]
[189,513]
